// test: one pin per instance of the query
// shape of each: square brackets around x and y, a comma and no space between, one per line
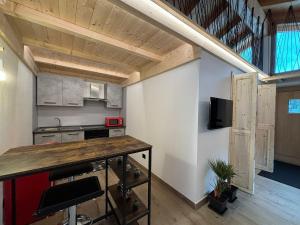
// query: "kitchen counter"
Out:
[41,130]
[32,159]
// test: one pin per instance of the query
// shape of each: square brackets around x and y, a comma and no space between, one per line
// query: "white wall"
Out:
[170,111]
[16,99]
[214,81]
[163,111]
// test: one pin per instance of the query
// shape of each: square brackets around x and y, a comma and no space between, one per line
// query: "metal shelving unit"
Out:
[128,208]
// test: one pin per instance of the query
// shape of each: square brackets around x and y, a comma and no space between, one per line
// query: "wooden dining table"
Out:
[29,160]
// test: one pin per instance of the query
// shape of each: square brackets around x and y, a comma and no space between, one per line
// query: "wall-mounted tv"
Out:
[220,113]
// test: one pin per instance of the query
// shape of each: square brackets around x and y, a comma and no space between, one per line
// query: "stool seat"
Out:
[69,194]
[70,171]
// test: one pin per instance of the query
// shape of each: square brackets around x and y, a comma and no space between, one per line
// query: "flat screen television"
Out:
[220,113]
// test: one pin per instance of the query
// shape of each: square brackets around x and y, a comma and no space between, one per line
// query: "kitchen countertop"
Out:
[42,130]
[32,159]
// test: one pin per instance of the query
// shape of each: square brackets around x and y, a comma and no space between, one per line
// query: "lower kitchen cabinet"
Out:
[116,132]
[72,136]
[47,138]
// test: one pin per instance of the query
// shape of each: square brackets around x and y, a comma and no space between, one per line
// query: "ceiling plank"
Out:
[77,66]
[34,16]
[148,19]
[79,54]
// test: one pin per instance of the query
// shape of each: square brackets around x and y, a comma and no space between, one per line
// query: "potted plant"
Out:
[231,190]
[217,198]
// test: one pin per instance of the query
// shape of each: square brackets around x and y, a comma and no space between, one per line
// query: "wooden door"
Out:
[287,127]
[265,127]
[242,141]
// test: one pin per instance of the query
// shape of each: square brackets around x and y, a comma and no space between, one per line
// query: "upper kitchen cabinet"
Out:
[59,91]
[114,96]
[49,90]
[72,91]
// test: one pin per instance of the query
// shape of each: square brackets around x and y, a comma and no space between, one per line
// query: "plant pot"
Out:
[219,205]
[231,193]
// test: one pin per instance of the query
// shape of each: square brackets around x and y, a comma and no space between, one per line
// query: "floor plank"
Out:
[273,204]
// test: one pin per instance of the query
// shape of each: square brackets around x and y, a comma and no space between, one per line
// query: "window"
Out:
[247,54]
[294,106]
[287,57]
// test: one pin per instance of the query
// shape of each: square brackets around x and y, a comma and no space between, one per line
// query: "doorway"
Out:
[287,138]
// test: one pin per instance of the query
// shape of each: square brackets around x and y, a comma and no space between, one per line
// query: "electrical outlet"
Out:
[144,156]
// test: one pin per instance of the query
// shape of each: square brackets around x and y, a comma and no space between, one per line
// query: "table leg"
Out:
[149,185]
[106,187]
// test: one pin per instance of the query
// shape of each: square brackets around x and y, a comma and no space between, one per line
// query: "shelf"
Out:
[131,181]
[124,207]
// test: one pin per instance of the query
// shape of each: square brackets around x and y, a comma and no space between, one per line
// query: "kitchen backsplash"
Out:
[92,113]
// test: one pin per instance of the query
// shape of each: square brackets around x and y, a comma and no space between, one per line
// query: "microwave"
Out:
[113,121]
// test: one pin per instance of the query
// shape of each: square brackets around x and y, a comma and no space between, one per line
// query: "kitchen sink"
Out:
[46,129]
[70,128]
[54,129]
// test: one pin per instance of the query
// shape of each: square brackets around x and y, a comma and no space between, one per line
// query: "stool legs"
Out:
[72,215]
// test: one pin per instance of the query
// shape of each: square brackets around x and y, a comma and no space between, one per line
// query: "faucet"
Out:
[59,121]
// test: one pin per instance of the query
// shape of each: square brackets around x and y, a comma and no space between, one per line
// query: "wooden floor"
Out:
[273,204]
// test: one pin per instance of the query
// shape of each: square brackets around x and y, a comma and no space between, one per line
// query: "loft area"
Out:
[271,35]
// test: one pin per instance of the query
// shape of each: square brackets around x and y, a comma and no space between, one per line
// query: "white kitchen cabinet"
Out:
[72,136]
[47,138]
[49,90]
[117,132]
[114,96]
[73,91]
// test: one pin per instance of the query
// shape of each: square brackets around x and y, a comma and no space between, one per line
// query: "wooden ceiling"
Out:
[100,39]
[280,8]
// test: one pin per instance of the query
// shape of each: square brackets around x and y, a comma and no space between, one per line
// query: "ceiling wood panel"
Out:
[101,34]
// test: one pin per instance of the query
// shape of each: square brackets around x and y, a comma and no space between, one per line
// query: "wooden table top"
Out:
[32,159]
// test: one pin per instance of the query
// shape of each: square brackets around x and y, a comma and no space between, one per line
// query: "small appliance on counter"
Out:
[114,121]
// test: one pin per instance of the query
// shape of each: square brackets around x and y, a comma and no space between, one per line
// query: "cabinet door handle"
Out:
[51,135]
[73,134]
[50,103]
[71,103]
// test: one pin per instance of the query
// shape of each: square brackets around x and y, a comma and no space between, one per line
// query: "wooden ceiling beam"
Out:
[38,17]
[13,39]
[180,56]
[216,12]
[231,24]
[76,66]
[268,3]
[77,73]
[242,35]
[63,50]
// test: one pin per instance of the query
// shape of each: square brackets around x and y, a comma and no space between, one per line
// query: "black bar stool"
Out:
[70,172]
[69,195]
